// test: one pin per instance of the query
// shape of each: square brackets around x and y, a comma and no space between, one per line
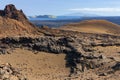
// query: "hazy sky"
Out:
[61,7]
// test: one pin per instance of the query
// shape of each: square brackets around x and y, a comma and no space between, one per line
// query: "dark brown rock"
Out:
[13,22]
[116,66]
[10,11]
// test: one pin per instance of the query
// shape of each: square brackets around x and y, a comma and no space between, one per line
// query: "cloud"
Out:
[96,9]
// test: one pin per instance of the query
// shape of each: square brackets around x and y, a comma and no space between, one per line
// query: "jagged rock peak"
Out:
[10,8]
[13,22]
[11,11]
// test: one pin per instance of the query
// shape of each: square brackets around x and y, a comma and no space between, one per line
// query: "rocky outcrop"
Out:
[10,11]
[7,72]
[79,47]
[13,22]
[80,53]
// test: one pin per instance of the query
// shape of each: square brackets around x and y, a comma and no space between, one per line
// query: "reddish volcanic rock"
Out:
[10,11]
[13,22]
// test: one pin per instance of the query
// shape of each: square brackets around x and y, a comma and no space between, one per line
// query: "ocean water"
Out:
[58,18]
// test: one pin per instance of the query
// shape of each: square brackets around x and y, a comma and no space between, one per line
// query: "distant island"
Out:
[43,16]
[62,17]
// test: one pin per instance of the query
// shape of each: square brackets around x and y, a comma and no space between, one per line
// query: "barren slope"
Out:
[13,22]
[41,66]
[94,26]
[59,54]
[11,27]
[84,57]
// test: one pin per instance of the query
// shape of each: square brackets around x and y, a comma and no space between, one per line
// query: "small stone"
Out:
[102,57]
[103,74]
[116,66]
[14,78]
[5,76]
[116,59]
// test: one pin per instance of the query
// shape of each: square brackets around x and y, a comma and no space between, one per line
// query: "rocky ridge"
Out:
[13,22]
[82,50]
[80,53]
[10,11]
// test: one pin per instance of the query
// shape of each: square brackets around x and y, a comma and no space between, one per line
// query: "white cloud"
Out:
[96,9]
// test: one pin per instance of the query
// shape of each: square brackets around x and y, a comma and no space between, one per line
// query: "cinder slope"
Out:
[13,22]
[41,66]
[94,26]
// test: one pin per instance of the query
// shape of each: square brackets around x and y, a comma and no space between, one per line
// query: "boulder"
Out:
[116,66]
[10,11]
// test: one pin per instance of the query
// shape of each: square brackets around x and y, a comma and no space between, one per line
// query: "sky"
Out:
[63,7]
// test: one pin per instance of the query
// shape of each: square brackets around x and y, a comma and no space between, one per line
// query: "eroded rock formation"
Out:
[81,49]
[80,52]
[7,72]
[10,11]
[13,22]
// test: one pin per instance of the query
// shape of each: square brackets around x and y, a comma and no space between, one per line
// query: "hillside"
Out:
[76,56]
[13,22]
[94,26]
[76,53]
